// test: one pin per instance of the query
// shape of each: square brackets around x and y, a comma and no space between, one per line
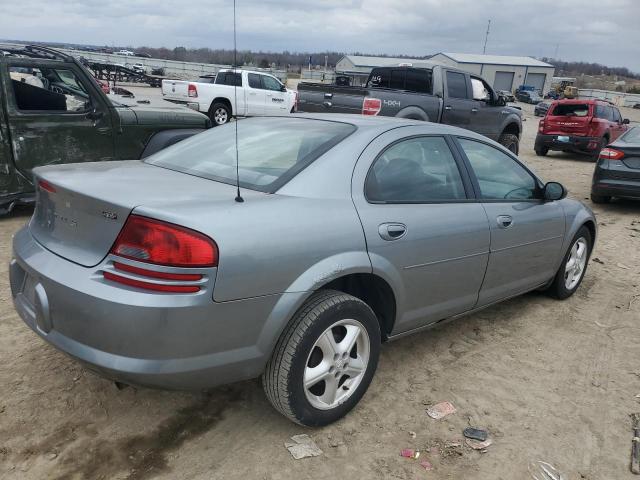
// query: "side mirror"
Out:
[283,88]
[626,121]
[554,191]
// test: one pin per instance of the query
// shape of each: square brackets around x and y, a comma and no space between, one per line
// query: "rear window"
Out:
[410,79]
[227,78]
[632,136]
[571,110]
[270,151]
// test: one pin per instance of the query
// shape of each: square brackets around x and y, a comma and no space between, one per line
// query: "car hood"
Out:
[181,117]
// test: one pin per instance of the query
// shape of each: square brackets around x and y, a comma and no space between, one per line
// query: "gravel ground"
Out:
[552,381]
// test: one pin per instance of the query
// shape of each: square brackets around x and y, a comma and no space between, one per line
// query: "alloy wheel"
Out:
[575,264]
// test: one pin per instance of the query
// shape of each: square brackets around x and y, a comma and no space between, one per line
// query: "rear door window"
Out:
[254,81]
[616,115]
[571,110]
[229,78]
[456,85]
[418,80]
[417,170]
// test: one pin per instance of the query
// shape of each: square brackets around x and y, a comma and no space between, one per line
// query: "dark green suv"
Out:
[52,111]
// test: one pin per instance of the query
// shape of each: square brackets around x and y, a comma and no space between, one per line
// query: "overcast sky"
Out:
[604,31]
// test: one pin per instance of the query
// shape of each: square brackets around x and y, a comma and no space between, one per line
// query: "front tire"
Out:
[573,266]
[219,113]
[325,359]
[510,141]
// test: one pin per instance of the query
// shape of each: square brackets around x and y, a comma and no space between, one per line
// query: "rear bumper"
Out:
[581,144]
[608,187]
[176,341]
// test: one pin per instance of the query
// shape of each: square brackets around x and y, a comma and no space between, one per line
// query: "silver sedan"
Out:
[352,231]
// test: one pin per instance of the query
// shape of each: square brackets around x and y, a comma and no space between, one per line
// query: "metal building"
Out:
[501,71]
[358,67]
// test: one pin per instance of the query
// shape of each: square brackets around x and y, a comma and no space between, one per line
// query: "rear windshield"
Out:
[410,79]
[271,151]
[571,110]
[632,136]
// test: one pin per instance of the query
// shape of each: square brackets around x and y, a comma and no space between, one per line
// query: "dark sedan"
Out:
[528,97]
[541,109]
[617,172]
[509,97]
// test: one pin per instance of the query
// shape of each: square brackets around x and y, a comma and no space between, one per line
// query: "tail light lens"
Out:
[192,91]
[541,126]
[371,106]
[46,186]
[156,287]
[162,243]
[611,154]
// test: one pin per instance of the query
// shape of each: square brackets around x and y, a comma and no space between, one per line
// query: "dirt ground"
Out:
[552,381]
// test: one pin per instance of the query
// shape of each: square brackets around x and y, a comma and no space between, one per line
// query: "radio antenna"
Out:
[239,198]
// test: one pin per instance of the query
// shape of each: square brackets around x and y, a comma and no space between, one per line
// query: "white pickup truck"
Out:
[257,94]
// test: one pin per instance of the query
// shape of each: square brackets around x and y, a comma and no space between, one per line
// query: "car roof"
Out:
[588,101]
[377,125]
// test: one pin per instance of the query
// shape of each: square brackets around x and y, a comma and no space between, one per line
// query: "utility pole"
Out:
[486,37]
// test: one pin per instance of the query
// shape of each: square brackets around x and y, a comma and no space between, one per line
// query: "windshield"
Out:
[271,151]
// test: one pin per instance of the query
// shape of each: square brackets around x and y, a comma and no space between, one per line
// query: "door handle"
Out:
[448,107]
[328,95]
[474,110]
[327,104]
[392,231]
[504,221]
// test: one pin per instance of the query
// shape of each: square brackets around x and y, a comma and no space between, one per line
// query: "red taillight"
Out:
[46,186]
[161,243]
[192,91]
[611,154]
[541,126]
[157,287]
[371,106]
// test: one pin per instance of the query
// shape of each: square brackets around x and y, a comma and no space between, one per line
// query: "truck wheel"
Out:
[510,141]
[600,198]
[542,152]
[325,359]
[219,114]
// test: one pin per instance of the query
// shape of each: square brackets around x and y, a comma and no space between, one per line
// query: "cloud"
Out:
[602,31]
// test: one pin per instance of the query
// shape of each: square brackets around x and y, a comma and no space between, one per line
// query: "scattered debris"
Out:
[441,410]
[478,445]
[52,456]
[635,444]
[426,464]
[597,260]
[622,265]
[600,324]
[409,453]
[544,471]
[475,433]
[412,434]
[633,299]
[302,446]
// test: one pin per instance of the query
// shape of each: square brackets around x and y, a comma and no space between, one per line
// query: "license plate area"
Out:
[563,139]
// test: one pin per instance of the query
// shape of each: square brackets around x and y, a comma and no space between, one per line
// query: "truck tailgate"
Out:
[178,89]
[317,97]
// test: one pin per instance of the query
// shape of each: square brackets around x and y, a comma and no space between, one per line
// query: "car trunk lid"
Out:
[81,208]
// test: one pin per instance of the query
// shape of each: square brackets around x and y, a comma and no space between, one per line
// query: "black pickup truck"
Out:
[424,91]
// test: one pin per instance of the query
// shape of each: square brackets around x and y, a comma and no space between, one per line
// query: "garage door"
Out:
[536,80]
[503,81]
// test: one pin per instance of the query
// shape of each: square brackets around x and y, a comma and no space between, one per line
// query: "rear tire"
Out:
[573,266]
[219,113]
[542,152]
[600,198]
[305,351]
[510,142]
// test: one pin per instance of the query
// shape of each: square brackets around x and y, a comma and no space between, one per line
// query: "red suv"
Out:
[584,126]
